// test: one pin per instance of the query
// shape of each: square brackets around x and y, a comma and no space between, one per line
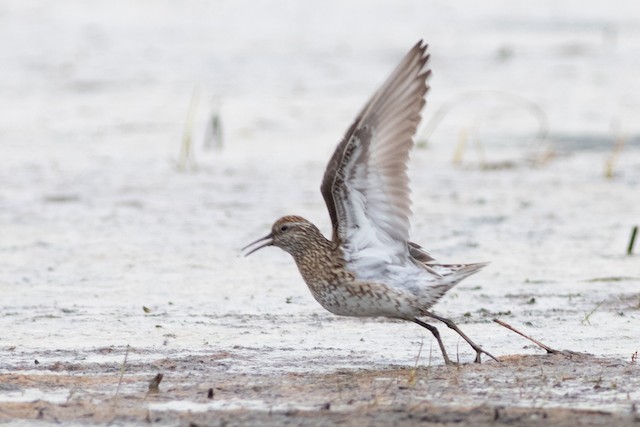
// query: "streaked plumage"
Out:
[370,268]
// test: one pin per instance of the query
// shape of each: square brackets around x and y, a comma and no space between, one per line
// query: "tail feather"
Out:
[459,271]
[451,275]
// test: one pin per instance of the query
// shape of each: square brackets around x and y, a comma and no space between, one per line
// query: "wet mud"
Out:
[521,390]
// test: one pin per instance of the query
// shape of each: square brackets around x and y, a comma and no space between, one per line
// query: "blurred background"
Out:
[95,74]
[144,142]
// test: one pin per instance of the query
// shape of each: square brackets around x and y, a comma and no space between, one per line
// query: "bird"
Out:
[369,267]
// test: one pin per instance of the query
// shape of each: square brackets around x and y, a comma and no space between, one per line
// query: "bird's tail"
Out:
[457,272]
[451,275]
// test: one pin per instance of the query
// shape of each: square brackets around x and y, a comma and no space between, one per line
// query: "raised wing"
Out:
[365,186]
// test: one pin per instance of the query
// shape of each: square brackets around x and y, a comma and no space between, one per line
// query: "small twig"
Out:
[412,374]
[545,347]
[588,315]
[122,369]
[632,240]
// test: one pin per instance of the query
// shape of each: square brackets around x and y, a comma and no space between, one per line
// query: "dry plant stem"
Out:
[412,373]
[186,152]
[458,153]
[419,353]
[632,240]
[122,369]
[532,108]
[609,167]
[546,347]
[589,314]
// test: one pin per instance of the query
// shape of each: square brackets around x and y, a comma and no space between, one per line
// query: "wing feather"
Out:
[366,186]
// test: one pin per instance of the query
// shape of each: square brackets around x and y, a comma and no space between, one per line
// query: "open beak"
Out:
[266,241]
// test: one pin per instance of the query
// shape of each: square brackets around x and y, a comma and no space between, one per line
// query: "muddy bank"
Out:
[563,389]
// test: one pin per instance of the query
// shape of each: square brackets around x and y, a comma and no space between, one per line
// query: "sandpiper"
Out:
[370,268]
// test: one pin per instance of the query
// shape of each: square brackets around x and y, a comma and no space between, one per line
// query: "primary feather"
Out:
[366,186]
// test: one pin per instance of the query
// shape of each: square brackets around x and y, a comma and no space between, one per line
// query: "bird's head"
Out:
[292,234]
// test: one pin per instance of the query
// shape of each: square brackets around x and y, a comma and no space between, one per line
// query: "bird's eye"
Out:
[284,227]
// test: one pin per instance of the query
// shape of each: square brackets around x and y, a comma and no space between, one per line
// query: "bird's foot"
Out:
[479,351]
[449,362]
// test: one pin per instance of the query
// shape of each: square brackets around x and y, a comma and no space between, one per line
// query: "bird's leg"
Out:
[436,334]
[453,326]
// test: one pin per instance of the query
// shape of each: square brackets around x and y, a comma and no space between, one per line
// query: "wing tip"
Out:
[421,45]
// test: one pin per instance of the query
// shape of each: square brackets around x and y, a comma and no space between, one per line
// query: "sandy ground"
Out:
[119,259]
